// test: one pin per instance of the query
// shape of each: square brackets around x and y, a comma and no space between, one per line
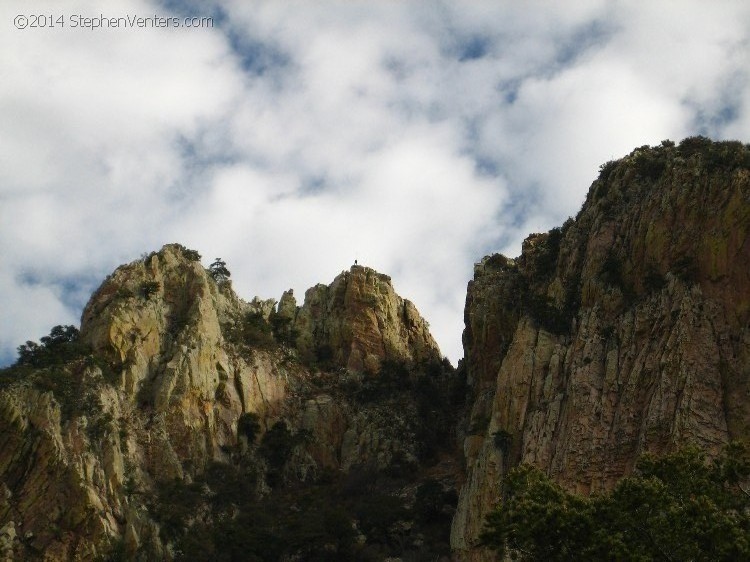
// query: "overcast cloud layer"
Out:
[294,137]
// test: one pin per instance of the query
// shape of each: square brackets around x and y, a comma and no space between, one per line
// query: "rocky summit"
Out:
[175,387]
[181,422]
[623,332]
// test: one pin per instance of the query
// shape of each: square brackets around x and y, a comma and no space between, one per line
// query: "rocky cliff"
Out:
[623,332]
[184,423]
[173,377]
[358,321]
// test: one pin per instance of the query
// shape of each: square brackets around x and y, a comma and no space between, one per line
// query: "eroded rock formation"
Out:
[170,359]
[626,331]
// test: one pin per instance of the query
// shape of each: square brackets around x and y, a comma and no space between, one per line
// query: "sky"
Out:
[291,138]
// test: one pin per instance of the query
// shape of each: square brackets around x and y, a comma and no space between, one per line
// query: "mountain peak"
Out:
[358,321]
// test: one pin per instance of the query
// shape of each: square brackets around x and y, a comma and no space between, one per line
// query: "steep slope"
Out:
[173,379]
[357,322]
[625,331]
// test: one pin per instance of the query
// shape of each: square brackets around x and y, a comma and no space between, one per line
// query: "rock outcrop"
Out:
[169,360]
[625,331]
[358,321]
[183,417]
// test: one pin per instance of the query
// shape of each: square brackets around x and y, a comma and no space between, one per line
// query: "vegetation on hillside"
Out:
[261,507]
[677,507]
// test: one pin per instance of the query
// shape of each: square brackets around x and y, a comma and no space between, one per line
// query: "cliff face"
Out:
[183,421]
[358,321]
[623,332]
[167,362]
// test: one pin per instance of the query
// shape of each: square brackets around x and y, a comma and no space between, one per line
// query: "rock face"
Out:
[358,321]
[171,359]
[626,331]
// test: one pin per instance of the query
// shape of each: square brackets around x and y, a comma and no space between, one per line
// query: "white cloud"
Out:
[295,137]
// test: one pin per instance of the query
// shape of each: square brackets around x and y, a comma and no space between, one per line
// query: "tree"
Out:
[218,270]
[677,507]
[277,445]
[150,288]
[249,426]
[60,335]
[59,346]
[429,500]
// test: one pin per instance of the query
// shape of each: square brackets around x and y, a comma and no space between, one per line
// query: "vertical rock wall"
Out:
[626,331]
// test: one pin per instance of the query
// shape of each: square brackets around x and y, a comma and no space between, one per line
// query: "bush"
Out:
[150,288]
[650,165]
[256,331]
[693,145]
[724,155]
[189,254]
[605,171]
[378,514]
[277,445]
[281,328]
[392,379]
[547,260]
[249,426]
[177,503]
[60,346]
[503,441]
[429,501]
[678,507]
[543,311]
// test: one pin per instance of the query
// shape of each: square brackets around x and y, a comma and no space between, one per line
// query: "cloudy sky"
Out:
[291,138]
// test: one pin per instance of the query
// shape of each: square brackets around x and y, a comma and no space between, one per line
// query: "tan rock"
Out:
[358,321]
[654,354]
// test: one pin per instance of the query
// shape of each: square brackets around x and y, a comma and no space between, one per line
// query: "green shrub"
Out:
[547,260]
[429,501]
[543,311]
[150,288]
[282,330]
[724,155]
[256,331]
[99,426]
[496,261]
[378,514]
[605,171]
[249,425]
[177,503]
[650,165]
[503,441]
[392,379]
[59,347]
[277,445]
[189,254]
[690,146]
[678,507]
[324,356]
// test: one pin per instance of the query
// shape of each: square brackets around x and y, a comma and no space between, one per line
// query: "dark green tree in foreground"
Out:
[677,507]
